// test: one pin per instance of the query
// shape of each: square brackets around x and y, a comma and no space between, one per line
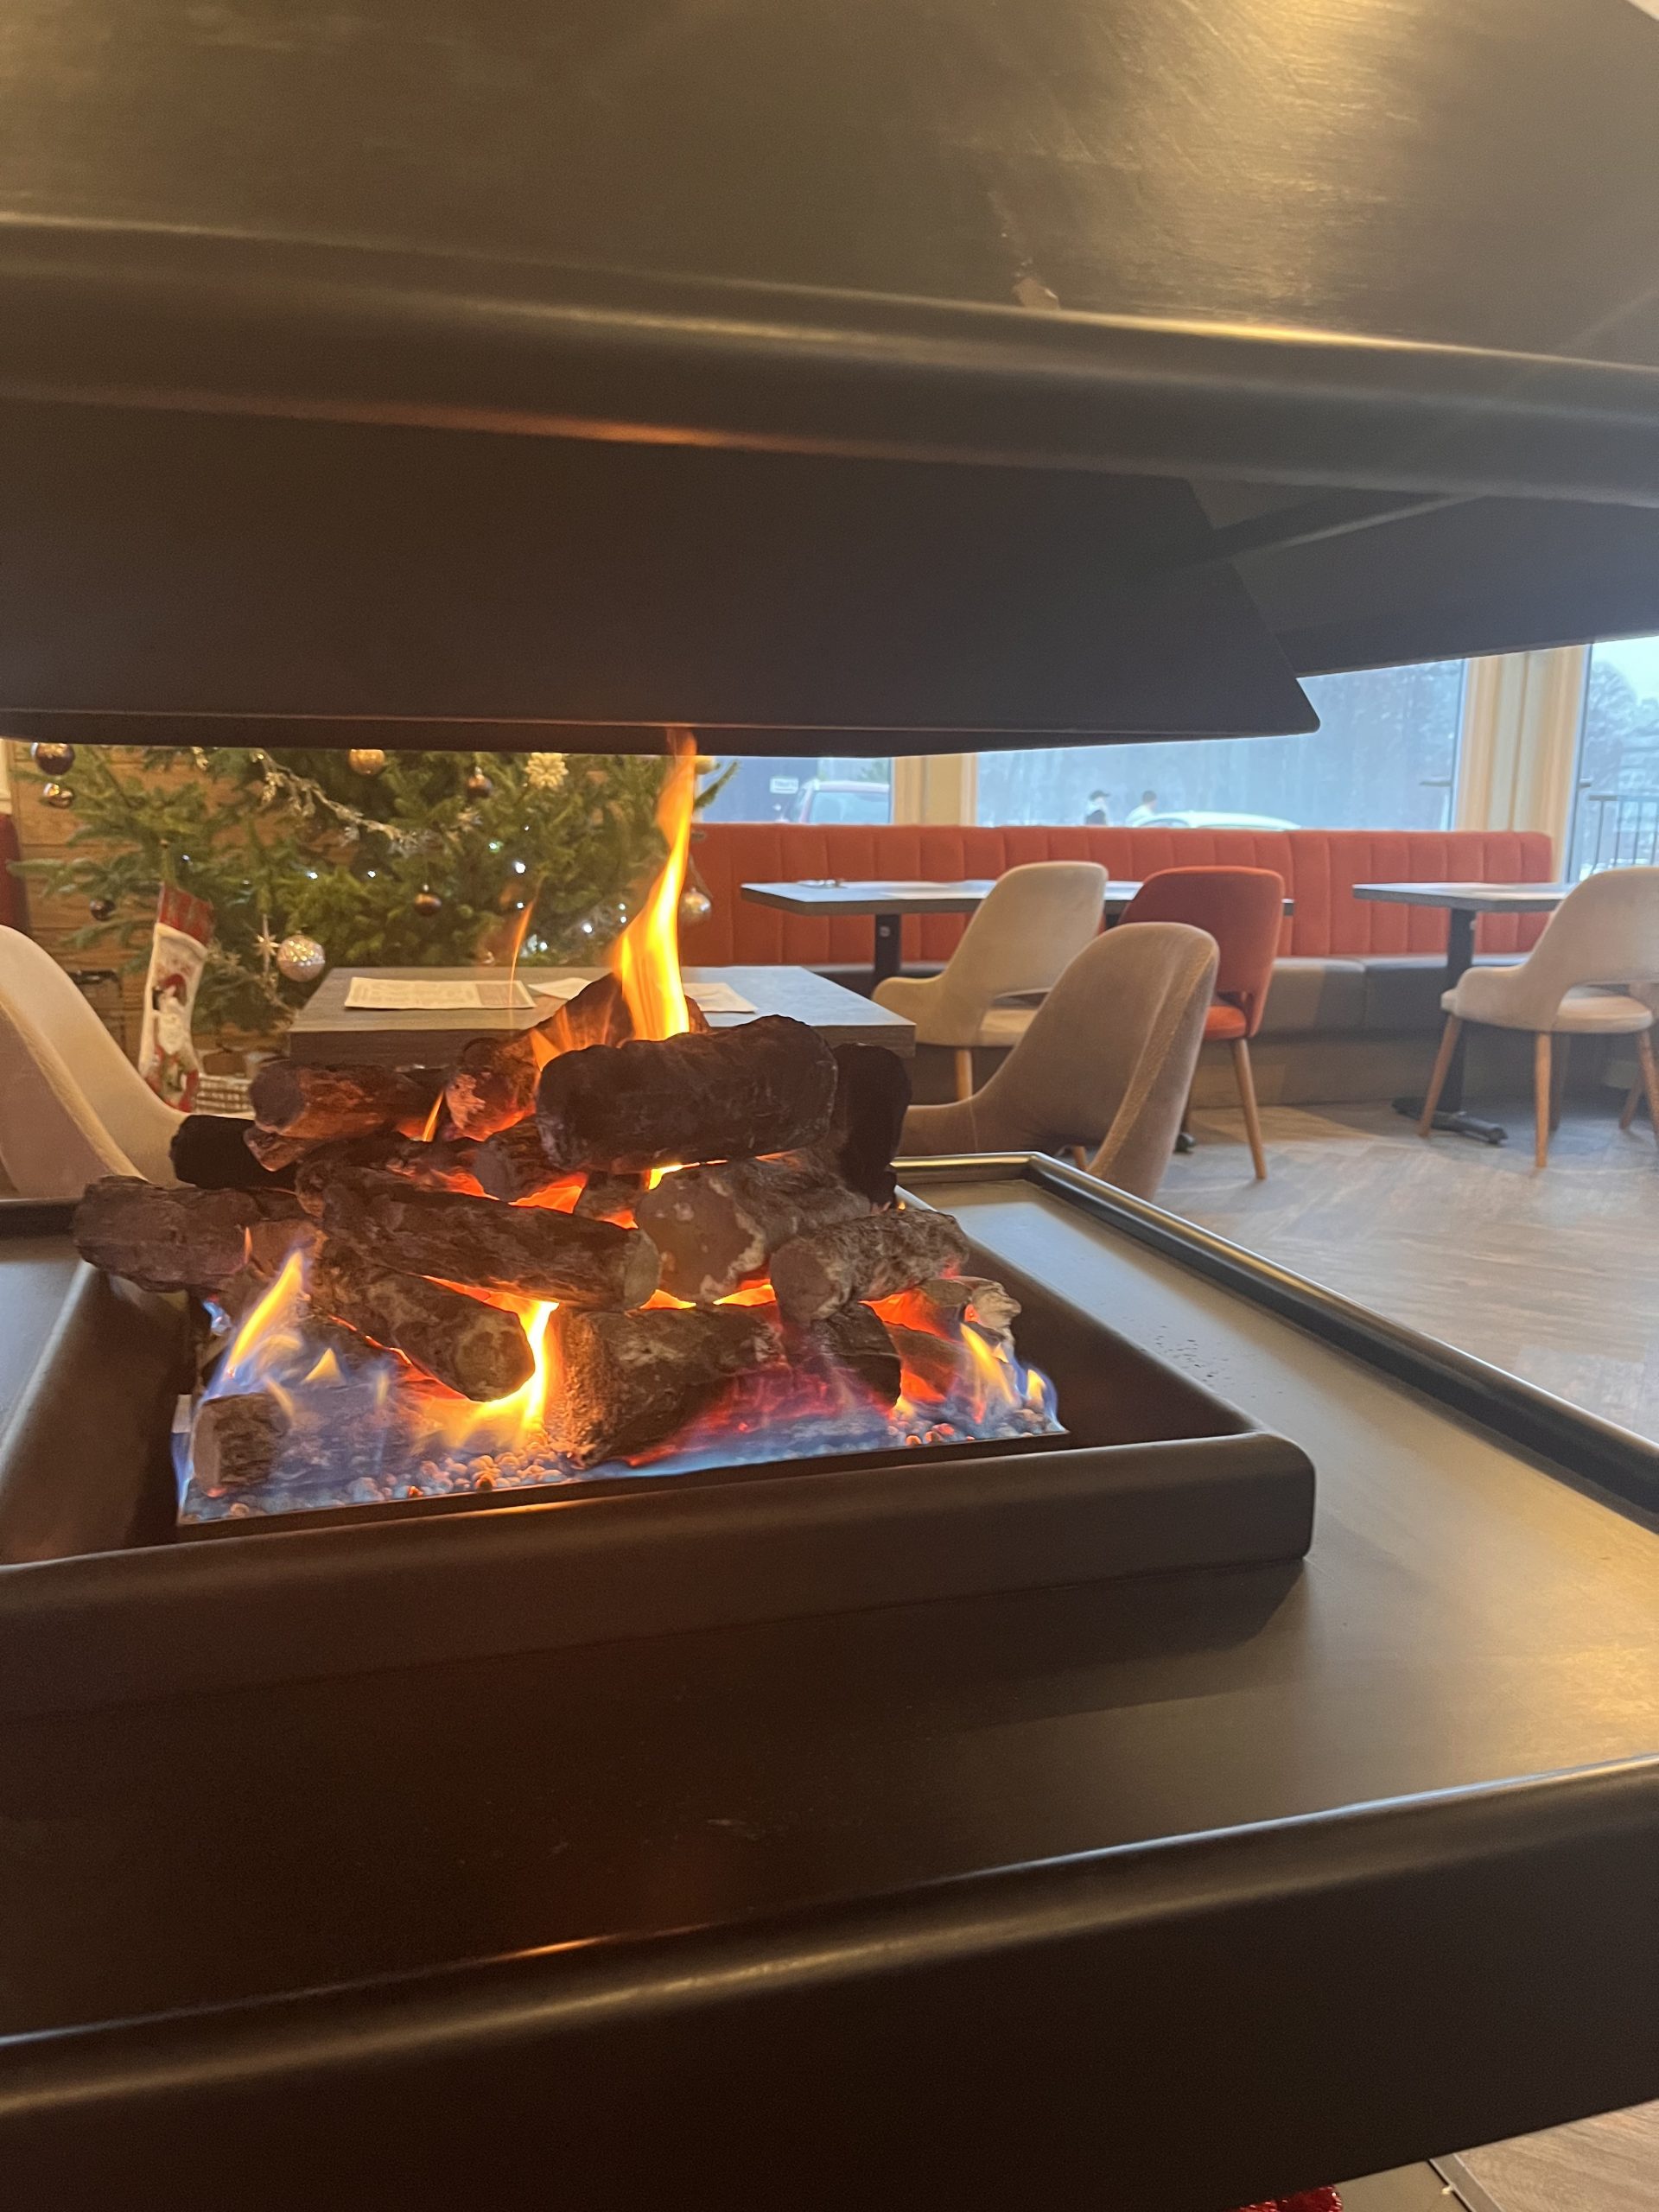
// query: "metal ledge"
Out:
[938,2035]
[233,324]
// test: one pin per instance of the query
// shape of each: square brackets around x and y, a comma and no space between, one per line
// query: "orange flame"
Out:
[521,1414]
[645,958]
[518,935]
[276,1313]
[966,1381]
[516,1421]
[995,1379]
[273,1350]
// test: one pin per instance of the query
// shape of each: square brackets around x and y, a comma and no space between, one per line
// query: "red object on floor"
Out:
[1307,2200]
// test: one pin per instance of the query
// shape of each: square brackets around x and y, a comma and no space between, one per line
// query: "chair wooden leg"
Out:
[965,1073]
[1442,1068]
[1244,1076]
[1632,1098]
[1649,1075]
[1558,1082]
[1541,1059]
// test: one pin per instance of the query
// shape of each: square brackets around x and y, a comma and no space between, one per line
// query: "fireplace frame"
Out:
[1006,1885]
[1187,1482]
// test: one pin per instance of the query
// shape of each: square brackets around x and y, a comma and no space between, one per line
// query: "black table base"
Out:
[1449,1120]
[1455,1124]
[889,948]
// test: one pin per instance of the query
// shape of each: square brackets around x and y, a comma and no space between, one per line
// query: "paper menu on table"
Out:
[411,994]
[713,998]
[718,998]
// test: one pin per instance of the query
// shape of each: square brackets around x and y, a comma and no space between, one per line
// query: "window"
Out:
[1616,809]
[826,788]
[1385,757]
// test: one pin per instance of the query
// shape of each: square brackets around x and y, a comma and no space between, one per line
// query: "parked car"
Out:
[846,802]
[1197,819]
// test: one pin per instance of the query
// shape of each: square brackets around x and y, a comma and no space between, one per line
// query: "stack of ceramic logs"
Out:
[526,1171]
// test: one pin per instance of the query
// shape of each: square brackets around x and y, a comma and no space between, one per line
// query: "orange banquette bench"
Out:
[1354,998]
[1321,868]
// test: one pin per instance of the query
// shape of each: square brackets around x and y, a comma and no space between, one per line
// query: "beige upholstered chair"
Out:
[1105,1065]
[1607,931]
[71,1105]
[1648,994]
[1036,920]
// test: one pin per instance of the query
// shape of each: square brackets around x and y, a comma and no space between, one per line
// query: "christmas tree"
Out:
[382,859]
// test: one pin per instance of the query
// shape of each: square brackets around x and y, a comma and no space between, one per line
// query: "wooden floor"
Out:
[1553,1275]
[1610,2165]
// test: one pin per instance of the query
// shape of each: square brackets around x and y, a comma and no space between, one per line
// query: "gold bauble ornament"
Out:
[426,902]
[56,796]
[365,760]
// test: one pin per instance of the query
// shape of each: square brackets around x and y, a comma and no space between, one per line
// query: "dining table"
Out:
[331,1027]
[1464,904]
[888,901]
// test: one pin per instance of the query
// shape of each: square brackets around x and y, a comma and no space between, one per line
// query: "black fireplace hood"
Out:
[466,372]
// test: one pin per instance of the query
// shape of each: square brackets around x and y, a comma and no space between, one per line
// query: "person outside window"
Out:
[1099,814]
[1144,812]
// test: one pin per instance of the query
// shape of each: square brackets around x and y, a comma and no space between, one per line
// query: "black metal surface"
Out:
[58,1449]
[1489,576]
[1122,1896]
[452,210]
[22,1217]
[87,1467]
[1354,246]
[936,2041]
[1153,1475]
[197,567]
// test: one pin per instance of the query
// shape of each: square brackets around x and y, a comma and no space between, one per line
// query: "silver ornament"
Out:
[302,959]
[56,796]
[695,903]
[52,758]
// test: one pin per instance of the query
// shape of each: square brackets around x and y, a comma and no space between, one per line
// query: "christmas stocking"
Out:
[167,1052]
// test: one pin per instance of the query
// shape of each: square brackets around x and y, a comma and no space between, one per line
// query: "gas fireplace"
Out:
[614,1242]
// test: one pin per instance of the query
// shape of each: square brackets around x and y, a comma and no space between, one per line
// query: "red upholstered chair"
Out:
[1242,908]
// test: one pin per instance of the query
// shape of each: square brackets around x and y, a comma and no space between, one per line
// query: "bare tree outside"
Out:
[1385,757]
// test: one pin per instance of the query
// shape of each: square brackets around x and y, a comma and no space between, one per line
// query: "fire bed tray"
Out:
[1154,1476]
